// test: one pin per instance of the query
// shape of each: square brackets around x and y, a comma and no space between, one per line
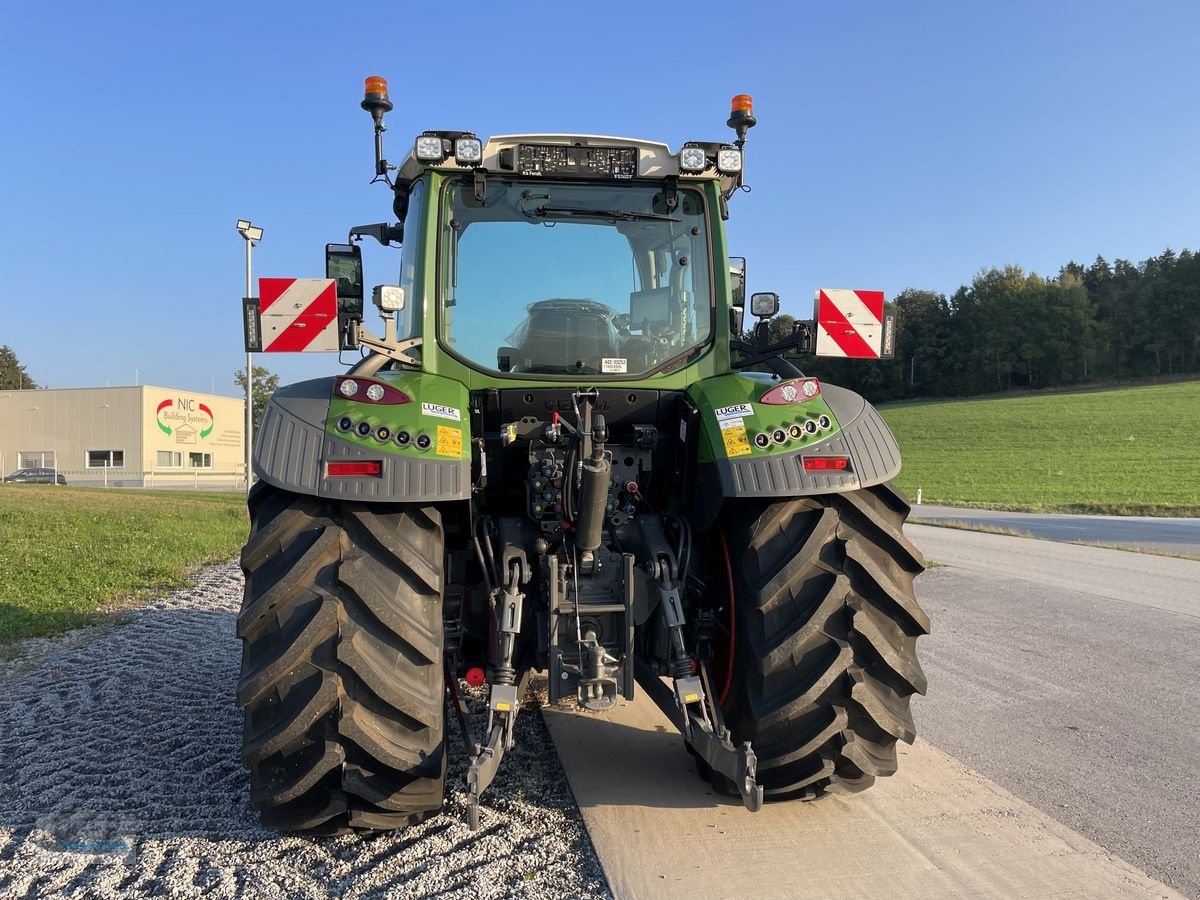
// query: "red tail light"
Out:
[368,391]
[825,463]
[796,391]
[354,469]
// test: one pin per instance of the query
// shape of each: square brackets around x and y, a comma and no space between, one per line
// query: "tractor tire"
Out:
[824,659]
[341,679]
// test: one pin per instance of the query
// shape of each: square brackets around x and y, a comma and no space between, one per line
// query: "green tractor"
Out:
[567,455]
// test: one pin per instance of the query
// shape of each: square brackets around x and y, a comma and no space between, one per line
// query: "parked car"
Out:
[36,476]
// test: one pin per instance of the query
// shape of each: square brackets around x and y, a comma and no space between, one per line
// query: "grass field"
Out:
[69,554]
[1126,451]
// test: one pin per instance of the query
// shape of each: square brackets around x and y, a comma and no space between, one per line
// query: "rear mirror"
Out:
[505,356]
[737,280]
[764,305]
[343,263]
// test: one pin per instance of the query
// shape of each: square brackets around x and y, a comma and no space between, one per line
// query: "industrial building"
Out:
[142,436]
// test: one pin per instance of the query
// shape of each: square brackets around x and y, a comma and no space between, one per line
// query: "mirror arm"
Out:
[381,231]
[800,339]
[390,347]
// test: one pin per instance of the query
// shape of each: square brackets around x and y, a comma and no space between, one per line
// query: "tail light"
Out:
[796,391]
[826,463]
[370,391]
[359,468]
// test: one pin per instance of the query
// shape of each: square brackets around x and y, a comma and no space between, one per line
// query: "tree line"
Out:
[1011,330]
[13,376]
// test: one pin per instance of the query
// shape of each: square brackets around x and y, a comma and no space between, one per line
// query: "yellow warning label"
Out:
[736,442]
[501,706]
[691,698]
[449,441]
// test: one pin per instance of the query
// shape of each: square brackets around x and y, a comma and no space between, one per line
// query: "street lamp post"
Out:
[251,234]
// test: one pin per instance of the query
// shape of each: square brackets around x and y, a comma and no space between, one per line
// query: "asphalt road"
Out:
[1071,676]
[1170,535]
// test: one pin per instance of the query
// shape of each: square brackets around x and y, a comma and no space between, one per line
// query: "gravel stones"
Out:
[120,777]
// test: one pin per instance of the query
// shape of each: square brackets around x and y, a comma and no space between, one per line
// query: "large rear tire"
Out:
[341,677]
[825,640]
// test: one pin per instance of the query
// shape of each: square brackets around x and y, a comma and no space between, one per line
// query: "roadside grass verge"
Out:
[70,556]
[1127,451]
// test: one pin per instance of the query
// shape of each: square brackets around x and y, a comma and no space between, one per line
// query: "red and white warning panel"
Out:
[853,324]
[298,314]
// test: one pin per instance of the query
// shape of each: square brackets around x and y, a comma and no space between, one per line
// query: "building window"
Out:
[36,459]
[106,459]
[199,460]
[170,459]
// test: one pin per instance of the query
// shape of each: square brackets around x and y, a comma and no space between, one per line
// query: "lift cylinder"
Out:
[593,492]
[593,495]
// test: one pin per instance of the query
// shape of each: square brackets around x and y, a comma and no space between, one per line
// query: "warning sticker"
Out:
[613,366]
[731,423]
[449,441]
[730,412]
[442,412]
[736,442]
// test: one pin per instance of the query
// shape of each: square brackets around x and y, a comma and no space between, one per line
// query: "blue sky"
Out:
[898,145]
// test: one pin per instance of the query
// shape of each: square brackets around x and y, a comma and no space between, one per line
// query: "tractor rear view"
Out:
[566,454]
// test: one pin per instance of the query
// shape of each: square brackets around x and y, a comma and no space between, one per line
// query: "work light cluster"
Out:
[466,149]
[695,159]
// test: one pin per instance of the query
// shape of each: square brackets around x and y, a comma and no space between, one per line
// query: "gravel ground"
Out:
[120,777]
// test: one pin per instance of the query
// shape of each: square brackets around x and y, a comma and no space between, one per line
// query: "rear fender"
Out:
[311,424]
[735,463]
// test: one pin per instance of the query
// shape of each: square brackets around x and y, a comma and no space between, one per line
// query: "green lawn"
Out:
[1132,451]
[68,553]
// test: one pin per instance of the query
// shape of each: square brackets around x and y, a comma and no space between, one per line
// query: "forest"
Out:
[1008,330]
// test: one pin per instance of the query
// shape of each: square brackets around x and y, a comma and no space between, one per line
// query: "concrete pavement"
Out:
[934,830]
[1062,685]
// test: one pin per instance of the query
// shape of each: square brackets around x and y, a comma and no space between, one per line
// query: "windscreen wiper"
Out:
[619,215]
